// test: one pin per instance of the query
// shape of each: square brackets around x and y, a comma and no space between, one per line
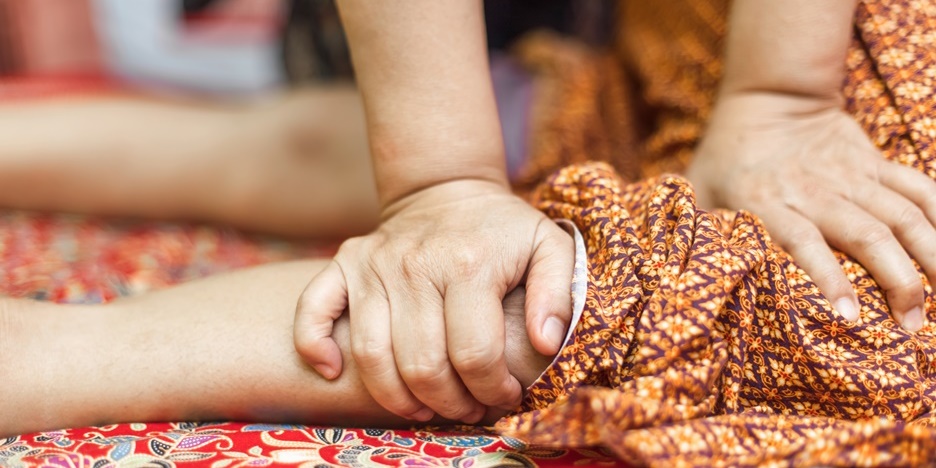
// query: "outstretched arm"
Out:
[296,164]
[217,348]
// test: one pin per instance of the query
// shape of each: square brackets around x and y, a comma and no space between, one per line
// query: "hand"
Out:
[424,296]
[808,170]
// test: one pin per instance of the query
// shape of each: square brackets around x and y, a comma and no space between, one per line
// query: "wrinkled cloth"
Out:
[702,343]
[643,105]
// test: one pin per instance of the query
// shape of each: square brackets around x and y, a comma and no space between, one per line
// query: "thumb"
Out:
[548,290]
[321,303]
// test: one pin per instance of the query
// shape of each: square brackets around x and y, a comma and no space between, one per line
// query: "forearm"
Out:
[109,155]
[296,164]
[793,47]
[219,348]
[422,68]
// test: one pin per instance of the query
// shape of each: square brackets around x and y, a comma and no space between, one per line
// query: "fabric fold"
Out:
[702,342]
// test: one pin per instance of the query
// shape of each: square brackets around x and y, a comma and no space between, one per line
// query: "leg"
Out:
[296,165]
[218,348]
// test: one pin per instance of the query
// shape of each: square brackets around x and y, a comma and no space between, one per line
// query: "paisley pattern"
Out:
[224,445]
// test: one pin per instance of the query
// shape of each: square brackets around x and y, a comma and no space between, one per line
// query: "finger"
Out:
[373,353]
[803,240]
[855,232]
[549,289]
[474,326]
[916,186]
[419,347]
[321,303]
[906,220]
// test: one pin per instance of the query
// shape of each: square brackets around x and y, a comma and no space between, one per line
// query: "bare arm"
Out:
[780,145]
[795,47]
[295,164]
[453,240]
[422,68]
[218,348]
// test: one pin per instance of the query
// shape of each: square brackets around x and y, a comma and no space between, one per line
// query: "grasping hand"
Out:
[808,170]
[424,294]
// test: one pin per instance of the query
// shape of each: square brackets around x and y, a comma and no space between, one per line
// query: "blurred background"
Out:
[237,112]
[235,117]
[231,48]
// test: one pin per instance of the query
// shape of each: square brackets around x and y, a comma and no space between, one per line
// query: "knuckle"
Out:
[909,287]
[804,235]
[800,238]
[458,411]
[305,344]
[367,355]
[467,261]
[832,282]
[423,373]
[350,246]
[910,218]
[396,403]
[810,190]
[474,360]
[413,264]
[871,235]
[402,407]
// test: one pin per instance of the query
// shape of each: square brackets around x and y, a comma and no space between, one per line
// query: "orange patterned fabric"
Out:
[702,343]
[655,90]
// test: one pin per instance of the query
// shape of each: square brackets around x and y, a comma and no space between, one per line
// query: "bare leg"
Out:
[218,348]
[296,165]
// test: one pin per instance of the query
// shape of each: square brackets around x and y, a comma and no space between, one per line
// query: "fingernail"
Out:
[423,415]
[913,321]
[554,331]
[847,309]
[326,371]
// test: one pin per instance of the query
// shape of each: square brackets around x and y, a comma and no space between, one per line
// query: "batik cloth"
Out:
[643,105]
[702,343]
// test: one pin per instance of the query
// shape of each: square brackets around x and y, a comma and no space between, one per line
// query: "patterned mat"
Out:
[78,259]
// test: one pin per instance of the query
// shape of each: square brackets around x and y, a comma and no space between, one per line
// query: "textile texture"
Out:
[78,259]
[702,343]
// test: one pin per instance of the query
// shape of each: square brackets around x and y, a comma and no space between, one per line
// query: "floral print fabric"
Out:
[78,259]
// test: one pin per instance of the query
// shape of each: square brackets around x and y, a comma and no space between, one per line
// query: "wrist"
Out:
[796,49]
[736,105]
[403,172]
[447,191]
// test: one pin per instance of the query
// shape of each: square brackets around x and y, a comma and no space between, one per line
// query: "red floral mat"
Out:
[79,260]
[32,87]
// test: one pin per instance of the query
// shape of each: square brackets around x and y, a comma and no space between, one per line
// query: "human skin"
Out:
[429,110]
[218,348]
[780,145]
[295,164]
[453,239]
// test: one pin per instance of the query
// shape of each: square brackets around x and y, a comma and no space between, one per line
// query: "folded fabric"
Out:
[702,343]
